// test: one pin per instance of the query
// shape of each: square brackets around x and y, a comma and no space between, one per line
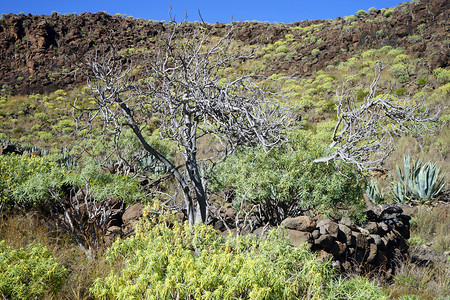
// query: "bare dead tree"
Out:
[364,133]
[185,88]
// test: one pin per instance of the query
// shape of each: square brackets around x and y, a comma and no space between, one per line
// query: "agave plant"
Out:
[400,192]
[67,160]
[373,192]
[417,181]
[410,171]
[427,184]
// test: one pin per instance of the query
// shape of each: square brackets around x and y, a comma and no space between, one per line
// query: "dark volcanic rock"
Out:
[303,223]
[41,46]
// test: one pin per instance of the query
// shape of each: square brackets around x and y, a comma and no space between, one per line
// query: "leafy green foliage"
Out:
[174,262]
[28,273]
[286,178]
[32,181]
[442,75]
[361,13]
[103,185]
[401,71]
[28,180]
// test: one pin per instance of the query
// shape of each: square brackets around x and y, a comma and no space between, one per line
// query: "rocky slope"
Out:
[38,53]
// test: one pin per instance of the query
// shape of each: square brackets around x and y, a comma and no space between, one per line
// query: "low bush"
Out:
[285,179]
[28,180]
[175,262]
[31,181]
[29,273]
[103,185]
[442,75]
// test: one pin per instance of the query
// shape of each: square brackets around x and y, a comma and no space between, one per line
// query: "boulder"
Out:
[132,213]
[324,255]
[373,251]
[361,241]
[315,234]
[328,227]
[8,149]
[371,227]
[112,233]
[391,212]
[260,231]
[301,223]
[377,240]
[339,250]
[325,241]
[345,237]
[347,222]
[299,237]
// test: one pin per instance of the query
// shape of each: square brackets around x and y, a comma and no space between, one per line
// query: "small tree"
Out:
[184,87]
[364,133]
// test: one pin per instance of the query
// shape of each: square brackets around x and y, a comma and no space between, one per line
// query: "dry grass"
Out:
[432,225]
[430,231]
[20,230]
[426,282]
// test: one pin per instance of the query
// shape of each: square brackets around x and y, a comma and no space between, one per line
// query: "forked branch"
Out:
[364,133]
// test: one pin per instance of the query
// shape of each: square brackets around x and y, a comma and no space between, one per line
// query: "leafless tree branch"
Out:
[364,133]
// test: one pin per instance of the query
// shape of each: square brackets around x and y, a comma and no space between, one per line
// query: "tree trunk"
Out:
[186,190]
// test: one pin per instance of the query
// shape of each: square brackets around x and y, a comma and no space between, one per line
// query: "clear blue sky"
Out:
[212,10]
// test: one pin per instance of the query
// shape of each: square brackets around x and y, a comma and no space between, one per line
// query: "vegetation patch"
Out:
[168,262]
[29,273]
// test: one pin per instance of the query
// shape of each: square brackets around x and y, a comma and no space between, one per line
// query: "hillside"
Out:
[37,52]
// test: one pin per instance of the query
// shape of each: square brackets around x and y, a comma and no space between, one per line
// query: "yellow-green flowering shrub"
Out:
[175,262]
[28,273]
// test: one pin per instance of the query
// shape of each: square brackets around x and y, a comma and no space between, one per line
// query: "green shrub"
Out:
[104,185]
[33,181]
[43,117]
[282,49]
[315,52]
[442,75]
[174,262]
[45,135]
[388,12]
[28,180]
[361,13]
[421,27]
[402,58]
[29,273]
[414,38]
[394,52]
[285,178]
[369,53]
[401,71]
[349,18]
[421,81]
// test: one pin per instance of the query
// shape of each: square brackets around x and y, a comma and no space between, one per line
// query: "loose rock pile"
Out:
[376,245]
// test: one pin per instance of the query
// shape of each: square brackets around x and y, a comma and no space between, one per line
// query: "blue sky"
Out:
[212,11]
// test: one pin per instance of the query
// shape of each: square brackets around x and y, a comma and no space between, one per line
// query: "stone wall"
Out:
[374,246]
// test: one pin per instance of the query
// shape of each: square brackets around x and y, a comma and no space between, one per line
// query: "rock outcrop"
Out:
[38,53]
